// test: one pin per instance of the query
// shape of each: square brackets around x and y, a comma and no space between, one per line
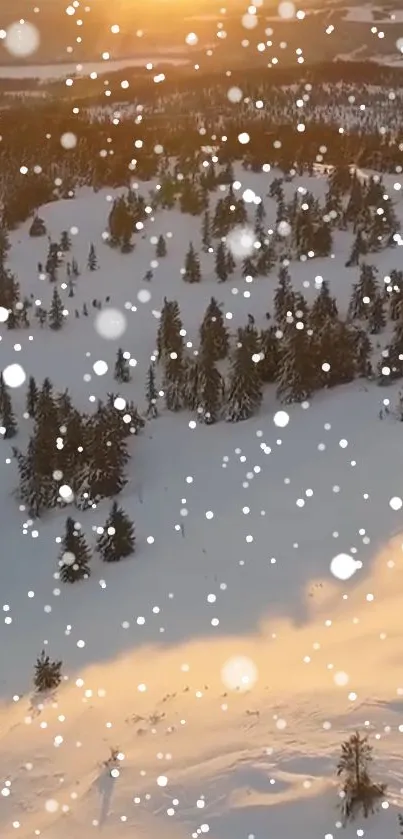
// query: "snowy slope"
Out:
[250,581]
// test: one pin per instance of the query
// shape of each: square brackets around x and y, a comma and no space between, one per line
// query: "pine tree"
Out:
[360,794]
[333,348]
[8,420]
[221,266]
[74,268]
[284,297]
[117,540]
[364,293]
[92,262]
[65,241]
[230,263]
[295,375]
[359,248]
[206,231]
[107,453]
[376,315]
[47,673]
[190,388]
[161,249]
[56,316]
[269,349]
[266,259]
[169,337]
[32,397]
[363,352]
[174,382]
[244,389]
[151,393]
[75,555]
[324,307]
[394,290]
[192,273]
[211,390]
[249,268]
[122,369]
[38,227]
[390,367]
[214,337]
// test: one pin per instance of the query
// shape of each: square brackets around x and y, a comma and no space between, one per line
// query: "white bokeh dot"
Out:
[281,419]
[396,503]
[68,140]
[110,323]
[100,367]
[144,295]
[51,805]
[340,678]
[239,673]
[14,375]
[286,9]
[343,566]
[22,39]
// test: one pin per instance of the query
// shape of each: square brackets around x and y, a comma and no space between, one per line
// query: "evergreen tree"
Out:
[74,268]
[206,232]
[122,369]
[265,260]
[192,273]
[8,420]
[4,243]
[174,382]
[56,316]
[324,307]
[161,249]
[38,227]
[360,794]
[32,397]
[260,216]
[363,352]
[376,315]
[364,293]
[296,369]
[230,262]
[151,393]
[249,268]
[269,349]
[359,248]
[244,389]
[394,290]
[65,241]
[211,390]
[47,673]
[334,354]
[391,364]
[107,453]
[9,291]
[92,262]
[284,297]
[221,267]
[169,337]
[75,555]
[117,540]
[191,383]
[214,337]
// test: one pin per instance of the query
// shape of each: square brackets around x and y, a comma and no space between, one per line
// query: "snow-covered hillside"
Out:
[223,660]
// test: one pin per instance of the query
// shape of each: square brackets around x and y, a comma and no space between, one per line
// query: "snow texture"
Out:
[208,601]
